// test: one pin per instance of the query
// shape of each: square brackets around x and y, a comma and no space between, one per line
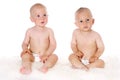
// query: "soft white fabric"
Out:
[9,70]
[36,56]
[85,61]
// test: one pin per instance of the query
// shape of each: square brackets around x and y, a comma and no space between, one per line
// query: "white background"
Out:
[14,21]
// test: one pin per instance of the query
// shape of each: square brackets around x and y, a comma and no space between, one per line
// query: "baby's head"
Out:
[84,10]
[38,14]
[84,19]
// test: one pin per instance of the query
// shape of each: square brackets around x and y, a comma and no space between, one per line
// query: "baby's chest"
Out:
[81,41]
[39,36]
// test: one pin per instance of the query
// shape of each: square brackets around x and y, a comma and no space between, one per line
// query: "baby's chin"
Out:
[86,29]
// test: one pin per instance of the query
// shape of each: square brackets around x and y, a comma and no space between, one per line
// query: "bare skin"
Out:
[86,44]
[38,40]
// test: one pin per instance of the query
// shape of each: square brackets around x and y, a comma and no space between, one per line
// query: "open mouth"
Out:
[85,27]
[43,22]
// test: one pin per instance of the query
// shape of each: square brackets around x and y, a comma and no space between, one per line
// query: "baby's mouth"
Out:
[43,22]
[85,27]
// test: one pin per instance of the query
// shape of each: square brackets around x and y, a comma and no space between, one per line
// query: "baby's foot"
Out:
[23,70]
[74,67]
[84,68]
[81,67]
[43,69]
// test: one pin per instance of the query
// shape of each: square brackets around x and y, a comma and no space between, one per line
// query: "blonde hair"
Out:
[36,6]
[83,9]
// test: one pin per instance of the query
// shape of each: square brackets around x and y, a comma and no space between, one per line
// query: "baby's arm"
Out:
[52,44]
[75,50]
[74,45]
[25,43]
[100,46]
[100,49]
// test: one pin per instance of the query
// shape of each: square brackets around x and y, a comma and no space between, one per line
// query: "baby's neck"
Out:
[86,32]
[40,27]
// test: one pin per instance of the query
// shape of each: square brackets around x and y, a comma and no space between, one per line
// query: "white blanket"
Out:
[9,70]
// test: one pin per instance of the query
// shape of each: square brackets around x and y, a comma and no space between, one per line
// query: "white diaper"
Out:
[37,57]
[85,61]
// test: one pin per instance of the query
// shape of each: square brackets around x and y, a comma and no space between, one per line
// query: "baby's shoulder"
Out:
[76,31]
[96,34]
[48,29]
[29,30]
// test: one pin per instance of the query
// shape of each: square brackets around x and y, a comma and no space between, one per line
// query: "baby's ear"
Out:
[31,19]
[75,23]
[93,20]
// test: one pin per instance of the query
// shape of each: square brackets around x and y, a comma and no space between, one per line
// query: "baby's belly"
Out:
[88,54]
[38,50]
[87,51]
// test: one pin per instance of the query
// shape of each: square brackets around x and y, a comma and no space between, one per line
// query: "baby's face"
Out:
[84,21]
[40,17]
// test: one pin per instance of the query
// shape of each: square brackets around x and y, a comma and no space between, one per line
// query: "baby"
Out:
[86,44]
[39,40]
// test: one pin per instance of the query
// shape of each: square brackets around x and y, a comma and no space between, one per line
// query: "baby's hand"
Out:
[26,51]
[93,59]
[79,54]
[44,58]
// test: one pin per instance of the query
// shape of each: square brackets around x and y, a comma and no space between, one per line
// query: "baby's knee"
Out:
[71,57]
[27,57]
[52,59]
[55,57]
[102,62]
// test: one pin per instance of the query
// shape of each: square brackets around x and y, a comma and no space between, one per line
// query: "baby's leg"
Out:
[27,60]
[75,61]
[97,64]
[51,61]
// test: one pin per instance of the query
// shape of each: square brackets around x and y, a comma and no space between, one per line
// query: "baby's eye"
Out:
[81,21]
[44,15]
[38,15]
[88,20]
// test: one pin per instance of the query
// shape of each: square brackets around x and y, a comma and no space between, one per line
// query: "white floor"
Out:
[9,70]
